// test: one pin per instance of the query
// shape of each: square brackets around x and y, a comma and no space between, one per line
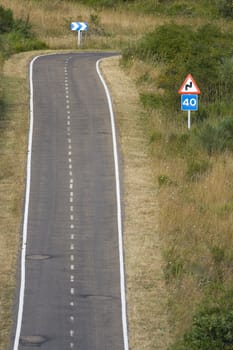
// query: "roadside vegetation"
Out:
[192,170]
[15,36]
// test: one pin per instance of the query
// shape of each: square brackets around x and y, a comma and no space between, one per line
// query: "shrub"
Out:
[211,327]
[9,24]
[209,138]
[165,43]
[16,35]
[23,27]
[15,42]
[219,138]
[206,53]
[226,8]
[164,180]
[225,134]
[6,20]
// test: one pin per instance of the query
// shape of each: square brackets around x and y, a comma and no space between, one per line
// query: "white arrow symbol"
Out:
[83,26]
[74,26]
[78,26]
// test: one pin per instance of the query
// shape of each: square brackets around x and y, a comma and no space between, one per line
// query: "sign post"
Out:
[189,92]
[189,119]
[79,27]
[79,38]
[189,102]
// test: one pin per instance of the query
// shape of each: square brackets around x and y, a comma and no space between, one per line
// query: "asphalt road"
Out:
[72,289]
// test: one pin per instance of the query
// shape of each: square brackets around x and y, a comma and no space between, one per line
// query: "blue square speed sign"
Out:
[189,102]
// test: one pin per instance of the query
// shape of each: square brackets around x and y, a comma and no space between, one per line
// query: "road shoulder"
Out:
[146,291]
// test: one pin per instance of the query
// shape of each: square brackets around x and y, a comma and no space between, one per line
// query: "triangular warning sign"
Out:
[189,86]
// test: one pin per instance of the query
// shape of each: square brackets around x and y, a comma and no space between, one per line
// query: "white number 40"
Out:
[190,102]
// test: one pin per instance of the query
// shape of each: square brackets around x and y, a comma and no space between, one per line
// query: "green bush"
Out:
[6,20]
[226,8]
[211,327]
[200,8]
[15,42]
[164,180]
[217,138]
[16,35]
[208,136]
[9,24]
[225,135]
[206,53]
[165,43]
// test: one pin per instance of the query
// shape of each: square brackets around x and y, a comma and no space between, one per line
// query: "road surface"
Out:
[72,295]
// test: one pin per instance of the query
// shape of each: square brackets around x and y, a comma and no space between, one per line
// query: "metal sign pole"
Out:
[79,38]
[189,119]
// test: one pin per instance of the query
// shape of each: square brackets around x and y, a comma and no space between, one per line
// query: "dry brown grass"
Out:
[146,291]
[51,22]
[195,215]
[12,171]
[194,220]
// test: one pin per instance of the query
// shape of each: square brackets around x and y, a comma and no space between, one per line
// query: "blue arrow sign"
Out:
[78,26]
[189,102]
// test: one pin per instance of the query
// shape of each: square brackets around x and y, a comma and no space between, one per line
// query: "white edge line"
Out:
[26,208]
[25,221]
[119,214]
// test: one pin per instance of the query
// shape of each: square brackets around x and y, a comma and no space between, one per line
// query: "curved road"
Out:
[72,297]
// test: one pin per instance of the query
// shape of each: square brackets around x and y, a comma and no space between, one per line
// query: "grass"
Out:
[195,211]
[146,292]
[51,23]
[13,130]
